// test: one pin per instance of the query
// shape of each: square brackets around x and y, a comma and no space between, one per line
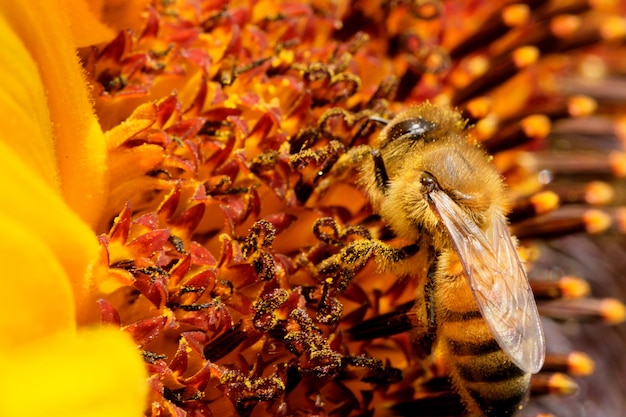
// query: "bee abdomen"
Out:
[485,377]
[498,406]
[495,371]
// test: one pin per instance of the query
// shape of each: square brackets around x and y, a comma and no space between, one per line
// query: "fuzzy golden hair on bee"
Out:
[435,188]
[430,139]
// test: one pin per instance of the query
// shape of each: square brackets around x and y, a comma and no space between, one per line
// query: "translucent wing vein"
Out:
[498,282]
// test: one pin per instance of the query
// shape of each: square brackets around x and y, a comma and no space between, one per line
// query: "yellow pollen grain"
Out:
[441,99]
[460,77]
[479,107]
[536,126]
[614,27]
[613,311]
[596,221]
[545,201]
[477,65]
[525,56]
[562,384]
[574,287]
[580,364]
[486,127]
[565,25]
[599,193]
[287,56]
[579,106]
[231,102]
[515,15]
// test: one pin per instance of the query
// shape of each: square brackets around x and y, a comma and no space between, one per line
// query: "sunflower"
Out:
[193,156]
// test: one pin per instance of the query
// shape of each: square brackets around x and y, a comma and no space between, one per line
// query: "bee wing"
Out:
[498,282]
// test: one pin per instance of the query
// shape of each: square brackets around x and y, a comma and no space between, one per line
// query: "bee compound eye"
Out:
[428,182]
[413,129]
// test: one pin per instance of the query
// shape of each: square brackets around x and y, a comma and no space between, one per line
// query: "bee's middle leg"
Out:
[423,336]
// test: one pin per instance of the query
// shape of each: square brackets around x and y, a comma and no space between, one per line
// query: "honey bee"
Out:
[435,188]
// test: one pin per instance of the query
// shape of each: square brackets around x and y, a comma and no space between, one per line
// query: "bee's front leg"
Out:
[342,266]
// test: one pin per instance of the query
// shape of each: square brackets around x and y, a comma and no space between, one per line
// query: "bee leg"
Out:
[349,260]
[423,337]
[345,166]
[352,258]
[380,172]
[400,320]
[387,257]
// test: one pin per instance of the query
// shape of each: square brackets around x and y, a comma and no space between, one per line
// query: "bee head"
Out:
[425,150]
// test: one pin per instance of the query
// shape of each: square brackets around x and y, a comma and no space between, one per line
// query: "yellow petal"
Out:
[39,63]
[86,28]
[97,374]
[39,299]
[28,130]
[122,14]
[29,203]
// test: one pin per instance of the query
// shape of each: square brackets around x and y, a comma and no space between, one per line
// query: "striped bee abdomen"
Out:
[488,382]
